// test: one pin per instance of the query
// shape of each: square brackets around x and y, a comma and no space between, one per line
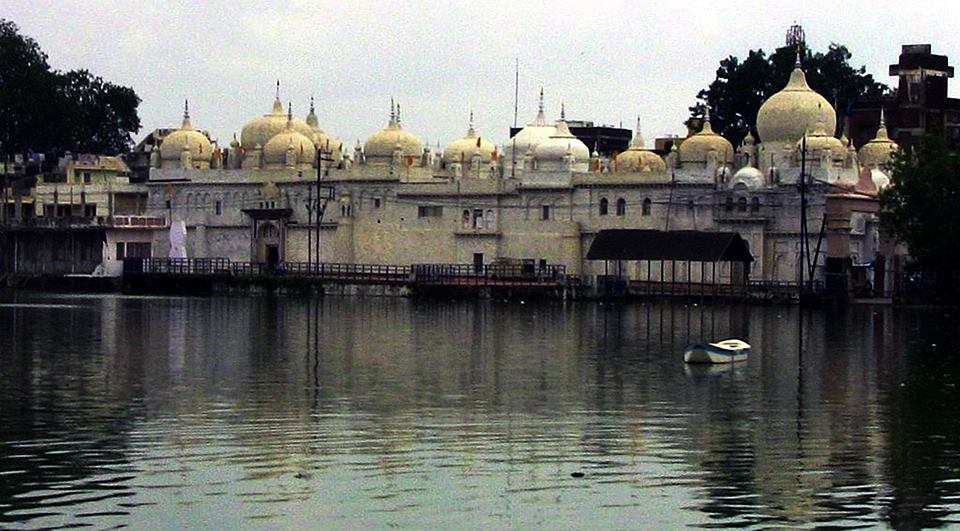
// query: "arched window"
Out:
[742,204]
[465,219]
[490,219]
[604,206]
[755,204]
[621,206]
[728,206]
[645,209]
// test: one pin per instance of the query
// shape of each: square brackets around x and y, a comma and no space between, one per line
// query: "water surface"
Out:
[347,413]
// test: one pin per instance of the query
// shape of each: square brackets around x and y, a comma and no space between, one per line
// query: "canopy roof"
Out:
[688,245]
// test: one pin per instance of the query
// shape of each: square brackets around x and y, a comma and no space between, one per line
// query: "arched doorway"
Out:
[268,248]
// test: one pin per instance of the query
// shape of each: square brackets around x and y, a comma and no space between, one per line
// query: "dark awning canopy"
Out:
[685,245]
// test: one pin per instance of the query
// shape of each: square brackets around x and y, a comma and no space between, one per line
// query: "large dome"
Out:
[380,145]
[464,148]
[260,130]
[638,158]
[696,149]
[187,137]
[791,113]
[532,134]
[561,144]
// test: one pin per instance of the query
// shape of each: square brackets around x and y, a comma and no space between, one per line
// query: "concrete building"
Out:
[287,191]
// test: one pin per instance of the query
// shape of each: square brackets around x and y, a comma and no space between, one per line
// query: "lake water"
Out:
[367,413]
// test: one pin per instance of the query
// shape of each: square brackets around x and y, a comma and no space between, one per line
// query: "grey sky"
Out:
[608,62]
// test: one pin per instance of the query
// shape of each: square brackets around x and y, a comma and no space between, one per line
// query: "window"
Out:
[478,218]
[430,211]
[742,204]
[218,206]
[621,207]
[376,202]
[545,212]
[465,219]
[168,204]
[121,251]
[728,206]
[755,205]
[604,206]
[87,178]
[645,208]
[490,219]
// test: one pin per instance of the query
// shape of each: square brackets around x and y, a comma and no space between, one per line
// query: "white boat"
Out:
[726,351]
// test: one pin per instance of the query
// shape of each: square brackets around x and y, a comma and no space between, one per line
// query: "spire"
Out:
[277,104]
[289,115]
[637,137]
[471,132]
[398,116]
[563,112]
[541,119]
[186,115]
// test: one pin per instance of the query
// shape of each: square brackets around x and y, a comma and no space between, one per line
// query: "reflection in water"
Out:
[226,412]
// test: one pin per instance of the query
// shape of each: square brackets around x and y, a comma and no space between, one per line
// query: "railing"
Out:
[524,274]
[448,274]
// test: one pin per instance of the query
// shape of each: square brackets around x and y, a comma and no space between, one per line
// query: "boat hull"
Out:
[728,351]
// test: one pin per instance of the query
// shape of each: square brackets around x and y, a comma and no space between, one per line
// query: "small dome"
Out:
[277,148]
[880,179]
[638,158]
[535,132]
[819,140]
[464,148]
[696,148]
[187,138]
[791,113]
[561,144]
[381,144]
[321,139]
[747,176]
[876,152]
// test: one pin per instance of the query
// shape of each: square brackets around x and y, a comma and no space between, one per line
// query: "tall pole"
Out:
[803,209]
[317,230]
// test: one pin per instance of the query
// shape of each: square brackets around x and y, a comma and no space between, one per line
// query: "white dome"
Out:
[381,145]
[747,176]
[789,114]
[187,138]
[462,150]
[561,144]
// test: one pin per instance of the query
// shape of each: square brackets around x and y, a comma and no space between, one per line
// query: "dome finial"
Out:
[563,112]
[311,104]
[398,115]
[186,116]
[541,100]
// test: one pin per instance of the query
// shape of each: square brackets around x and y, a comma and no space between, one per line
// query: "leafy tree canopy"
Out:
[742,85]
[48,111]
[920,207]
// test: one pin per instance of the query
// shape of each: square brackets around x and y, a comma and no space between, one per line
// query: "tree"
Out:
[48,111]
[920,207]
[741,87]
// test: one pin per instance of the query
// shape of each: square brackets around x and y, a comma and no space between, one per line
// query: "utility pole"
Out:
[324,193]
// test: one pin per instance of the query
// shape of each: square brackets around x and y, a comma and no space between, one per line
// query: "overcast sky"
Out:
[608,62]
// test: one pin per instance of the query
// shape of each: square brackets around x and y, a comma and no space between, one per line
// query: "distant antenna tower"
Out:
[795,36]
